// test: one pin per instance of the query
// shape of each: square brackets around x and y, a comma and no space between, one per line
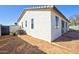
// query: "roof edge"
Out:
[24,10]
[61,14]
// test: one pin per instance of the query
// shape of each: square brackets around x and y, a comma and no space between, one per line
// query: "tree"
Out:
[15,23]
[77,19]
[74,20]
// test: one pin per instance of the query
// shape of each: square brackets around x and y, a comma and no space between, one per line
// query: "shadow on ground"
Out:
[69,36]
[18,46]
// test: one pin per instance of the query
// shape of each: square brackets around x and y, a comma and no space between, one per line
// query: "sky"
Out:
[9,14]
[68,10]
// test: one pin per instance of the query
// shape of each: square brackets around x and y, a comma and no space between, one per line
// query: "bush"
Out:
[21,32]
[13,33]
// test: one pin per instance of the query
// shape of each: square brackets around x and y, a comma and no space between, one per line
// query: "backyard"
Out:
[24,44]
[70,41]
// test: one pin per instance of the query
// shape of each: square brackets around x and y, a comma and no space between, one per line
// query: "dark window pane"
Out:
[26,23]
[57,19]
[32,23]
[22,24]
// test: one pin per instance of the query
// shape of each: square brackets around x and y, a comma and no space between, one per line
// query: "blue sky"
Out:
[9,13]
[68,10]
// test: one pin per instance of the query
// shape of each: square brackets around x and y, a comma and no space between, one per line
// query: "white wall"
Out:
[42,22]
[55,32]
[13,28]
[44,25]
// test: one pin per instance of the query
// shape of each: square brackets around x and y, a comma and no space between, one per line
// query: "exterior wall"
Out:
[62,19]
[55,32]
[42,22]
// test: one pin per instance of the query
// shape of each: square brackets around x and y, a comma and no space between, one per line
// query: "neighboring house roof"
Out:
[37,8]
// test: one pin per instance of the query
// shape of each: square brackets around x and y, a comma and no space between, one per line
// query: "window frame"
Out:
[22,24]
[32,23]
[57,21]
[25,23]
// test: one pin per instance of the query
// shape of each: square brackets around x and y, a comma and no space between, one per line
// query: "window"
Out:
[32,23]
[57,19]
[22,24]
[66,26]
[25,23]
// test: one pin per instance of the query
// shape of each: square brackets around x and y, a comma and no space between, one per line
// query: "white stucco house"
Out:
[44,22]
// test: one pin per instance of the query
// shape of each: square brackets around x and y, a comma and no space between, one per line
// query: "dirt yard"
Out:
[27,44]
[69,40]
[24,44]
